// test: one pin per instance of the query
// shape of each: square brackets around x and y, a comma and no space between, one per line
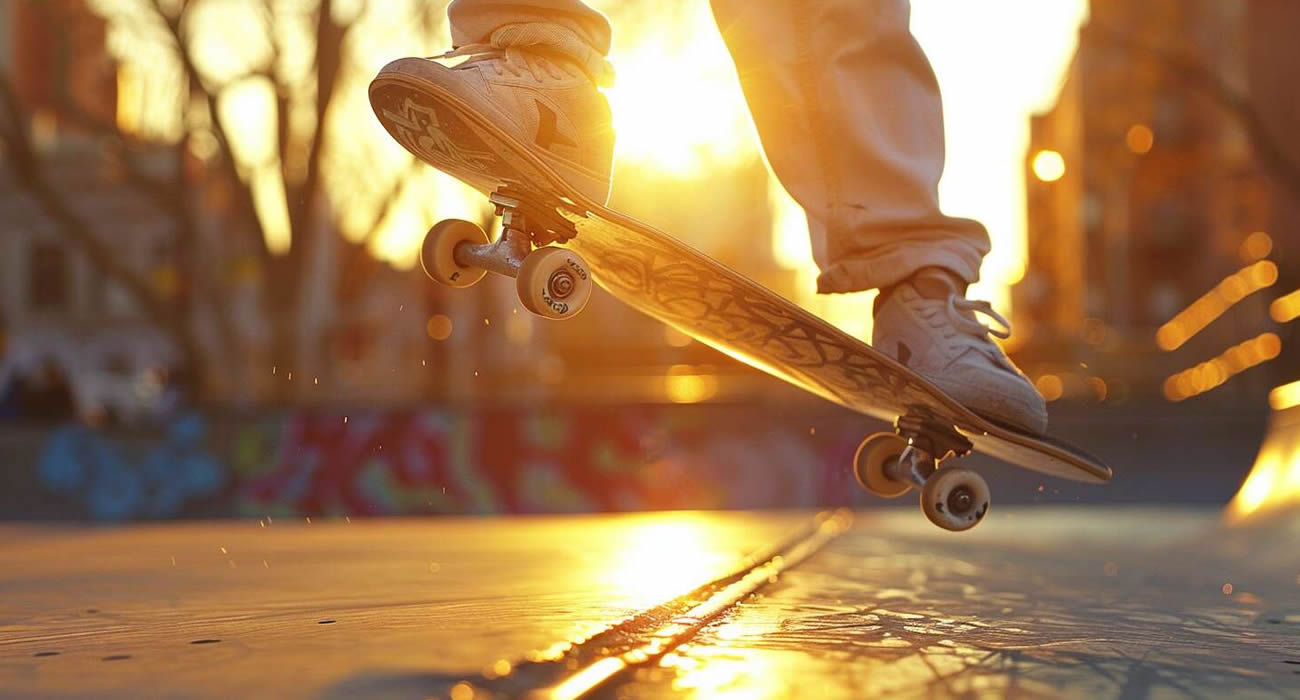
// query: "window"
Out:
[48,284]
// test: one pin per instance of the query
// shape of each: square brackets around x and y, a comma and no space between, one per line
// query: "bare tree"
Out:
[310,57]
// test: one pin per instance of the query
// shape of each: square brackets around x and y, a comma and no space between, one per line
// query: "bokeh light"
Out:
[1049,166]
[1139,139]
[1212,305]
[1050,386]
[1257,246]
[1213,373]
[438,327]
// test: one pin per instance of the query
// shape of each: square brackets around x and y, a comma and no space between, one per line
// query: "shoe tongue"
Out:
[558,44]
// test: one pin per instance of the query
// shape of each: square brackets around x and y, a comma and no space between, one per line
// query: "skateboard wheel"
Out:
[438,254]
[874,454]
[554,283]
[955,498]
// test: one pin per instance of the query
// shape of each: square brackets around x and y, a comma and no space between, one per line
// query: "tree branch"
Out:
[194,80]
[329,42]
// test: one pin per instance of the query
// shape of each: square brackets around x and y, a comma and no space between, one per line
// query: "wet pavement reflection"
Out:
[1080,603]
[1036,602]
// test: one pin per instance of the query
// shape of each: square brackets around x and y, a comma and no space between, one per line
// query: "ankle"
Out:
[929,282]
[938,282]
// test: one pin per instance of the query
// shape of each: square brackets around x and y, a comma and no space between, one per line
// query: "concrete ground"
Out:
[1037,602]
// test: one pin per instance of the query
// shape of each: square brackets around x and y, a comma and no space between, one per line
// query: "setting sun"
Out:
[677,105]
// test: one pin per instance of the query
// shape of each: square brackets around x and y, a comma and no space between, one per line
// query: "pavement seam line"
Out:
[682,627]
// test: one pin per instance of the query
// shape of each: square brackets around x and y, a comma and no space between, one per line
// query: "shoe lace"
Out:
[524,48]
[961,311]
[508,59]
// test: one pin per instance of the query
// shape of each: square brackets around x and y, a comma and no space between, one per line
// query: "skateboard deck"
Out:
[669,280]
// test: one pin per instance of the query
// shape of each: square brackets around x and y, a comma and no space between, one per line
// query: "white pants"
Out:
[848,111]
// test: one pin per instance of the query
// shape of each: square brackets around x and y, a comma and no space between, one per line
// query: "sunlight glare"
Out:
[271,206]
[432,197]
[676,101]
[229,36]
[726,672]
[1274,481]
[248,111]
[666,557]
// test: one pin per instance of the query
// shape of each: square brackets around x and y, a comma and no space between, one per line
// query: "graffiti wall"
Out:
[554,459]
[442,460]
[111,481]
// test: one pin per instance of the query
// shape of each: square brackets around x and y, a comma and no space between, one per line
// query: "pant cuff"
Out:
[861,274]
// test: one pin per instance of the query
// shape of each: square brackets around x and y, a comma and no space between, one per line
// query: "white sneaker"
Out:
[926,324]
[538,85]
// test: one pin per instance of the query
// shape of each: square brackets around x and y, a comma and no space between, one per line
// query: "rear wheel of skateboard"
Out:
[874,454]
[554,283]
[438,254]
[955,498]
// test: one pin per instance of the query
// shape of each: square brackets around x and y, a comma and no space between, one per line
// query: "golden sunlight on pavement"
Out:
[726,673]
[666,555]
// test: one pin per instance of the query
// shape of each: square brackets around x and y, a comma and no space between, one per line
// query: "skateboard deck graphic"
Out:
[655,273]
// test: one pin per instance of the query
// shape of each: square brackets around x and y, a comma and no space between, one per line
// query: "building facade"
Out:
[1157,235]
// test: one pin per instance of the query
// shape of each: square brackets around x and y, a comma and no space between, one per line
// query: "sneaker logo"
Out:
[418,128]
[547,135]
[904,353]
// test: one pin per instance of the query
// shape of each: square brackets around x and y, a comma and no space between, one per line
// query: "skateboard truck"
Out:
[913,456]
[552,282]
[929,443]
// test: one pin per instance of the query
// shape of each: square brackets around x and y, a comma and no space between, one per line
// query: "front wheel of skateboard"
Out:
[438,254]
[874,454]
[955,498]
[554,283]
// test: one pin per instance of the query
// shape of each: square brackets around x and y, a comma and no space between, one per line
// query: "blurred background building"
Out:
[68,324]
[1162,197]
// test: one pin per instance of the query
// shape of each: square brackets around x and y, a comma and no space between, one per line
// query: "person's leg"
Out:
[848,111]
[849,114]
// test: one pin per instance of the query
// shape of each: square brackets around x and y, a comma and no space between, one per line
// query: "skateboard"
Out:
[558,243]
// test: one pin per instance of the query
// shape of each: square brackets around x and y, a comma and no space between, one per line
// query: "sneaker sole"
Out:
[449,133]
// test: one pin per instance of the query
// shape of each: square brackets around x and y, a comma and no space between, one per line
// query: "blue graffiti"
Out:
[85,464]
